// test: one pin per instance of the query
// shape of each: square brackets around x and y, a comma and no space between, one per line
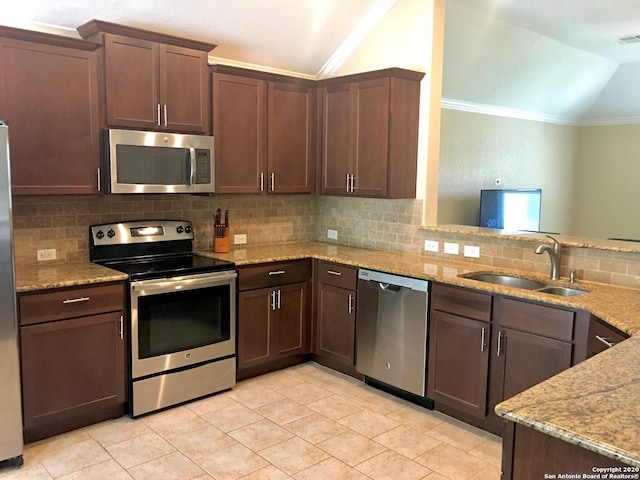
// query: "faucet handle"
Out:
[556,243]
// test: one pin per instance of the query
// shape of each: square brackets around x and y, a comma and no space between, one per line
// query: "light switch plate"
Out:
[46,254]
[240,239]
[431,246]
[471,251]
[451,248]
[332,234]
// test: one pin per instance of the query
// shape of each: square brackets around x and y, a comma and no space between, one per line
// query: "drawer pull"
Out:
[277,272]
[333,272]
[605,341]
[76,300]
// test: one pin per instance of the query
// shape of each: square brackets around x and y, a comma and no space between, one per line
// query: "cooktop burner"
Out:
[141,269]
[150,249]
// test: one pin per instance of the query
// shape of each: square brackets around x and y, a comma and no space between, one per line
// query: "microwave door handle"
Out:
[192,153]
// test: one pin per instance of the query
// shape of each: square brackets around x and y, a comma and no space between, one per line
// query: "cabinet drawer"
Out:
[606,333]
[272,274]
[58,304]
[537,319]
[461,302]
[338,275]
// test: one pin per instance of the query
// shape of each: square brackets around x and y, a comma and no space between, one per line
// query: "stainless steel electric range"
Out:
[182,310]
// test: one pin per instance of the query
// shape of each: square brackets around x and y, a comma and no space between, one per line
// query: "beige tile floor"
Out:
[302,423]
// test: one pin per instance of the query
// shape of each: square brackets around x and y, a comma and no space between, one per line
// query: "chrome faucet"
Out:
[555,254]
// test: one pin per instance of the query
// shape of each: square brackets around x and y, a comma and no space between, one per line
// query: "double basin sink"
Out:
[524,283]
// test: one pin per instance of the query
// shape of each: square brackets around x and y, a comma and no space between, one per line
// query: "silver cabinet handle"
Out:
[121,327]
[76,300]
[272,181]
[347,183]
[350,311]
[277,272]
[279,299]
[165,115]
[482,340]
[353,183]
[273,300]
[605,341]
[333,272]
[499,343]
[262,181]
[158,114]
[99,179]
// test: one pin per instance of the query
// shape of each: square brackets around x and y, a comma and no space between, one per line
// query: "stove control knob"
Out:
[100,235]
[187,229]
[179,229]
[111,234]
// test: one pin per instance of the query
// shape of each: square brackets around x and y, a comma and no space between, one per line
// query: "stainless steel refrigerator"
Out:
[11,440]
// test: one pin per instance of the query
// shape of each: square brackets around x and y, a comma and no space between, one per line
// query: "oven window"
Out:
[183,320]
[153,165]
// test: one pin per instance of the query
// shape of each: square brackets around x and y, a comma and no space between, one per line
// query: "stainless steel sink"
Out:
[564,291]
[507,280]
[525,283]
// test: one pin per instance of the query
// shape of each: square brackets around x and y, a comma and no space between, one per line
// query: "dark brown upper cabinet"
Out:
[151,81]
[265,130]
[49,98]
[370,134]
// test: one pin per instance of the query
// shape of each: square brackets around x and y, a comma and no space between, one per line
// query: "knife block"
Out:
[221,244]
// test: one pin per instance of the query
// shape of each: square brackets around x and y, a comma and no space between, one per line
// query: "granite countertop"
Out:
[595,404]
[59,274]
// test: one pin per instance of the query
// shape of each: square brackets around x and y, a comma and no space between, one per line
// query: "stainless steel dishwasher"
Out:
[391,331]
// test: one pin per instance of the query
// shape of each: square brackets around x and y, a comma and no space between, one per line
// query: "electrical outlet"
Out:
[332,234]
[46,254]
[431,246]
[471,251]
[451,248]
[240,239]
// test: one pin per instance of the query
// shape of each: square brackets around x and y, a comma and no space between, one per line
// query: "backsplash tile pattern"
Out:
[61,222]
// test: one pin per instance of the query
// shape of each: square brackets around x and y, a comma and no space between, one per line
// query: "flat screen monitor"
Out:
[511,209]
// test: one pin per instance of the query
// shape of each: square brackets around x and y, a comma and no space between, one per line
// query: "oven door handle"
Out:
[150,287]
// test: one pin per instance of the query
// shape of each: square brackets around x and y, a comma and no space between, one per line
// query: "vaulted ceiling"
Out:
[556,60]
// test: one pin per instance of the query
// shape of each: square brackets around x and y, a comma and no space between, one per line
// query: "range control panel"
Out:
[141,232]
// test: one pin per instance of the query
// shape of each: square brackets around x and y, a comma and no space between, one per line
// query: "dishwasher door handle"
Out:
[388,287]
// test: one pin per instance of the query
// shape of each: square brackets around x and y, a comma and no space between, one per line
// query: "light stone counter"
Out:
[57,275]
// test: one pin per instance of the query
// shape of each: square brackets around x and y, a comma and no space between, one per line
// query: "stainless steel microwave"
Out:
[156,162]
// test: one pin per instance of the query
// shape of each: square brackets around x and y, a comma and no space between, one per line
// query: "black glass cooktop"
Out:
[168,266]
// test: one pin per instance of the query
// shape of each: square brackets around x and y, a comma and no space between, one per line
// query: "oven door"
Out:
[181,321]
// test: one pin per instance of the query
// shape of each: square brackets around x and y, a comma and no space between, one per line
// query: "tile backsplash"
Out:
[62,222]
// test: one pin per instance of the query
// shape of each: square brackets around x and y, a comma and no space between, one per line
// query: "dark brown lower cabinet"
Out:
[274,322]
[459,362]
[335,317]
[531,455]
[73,369]
[486,348]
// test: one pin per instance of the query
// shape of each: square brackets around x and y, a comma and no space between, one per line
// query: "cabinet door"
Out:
[291,332]
[291,138]
[131,82]
[184,89]
[49,96]
[458,365]
[239,128]
[255,316]
[371,137]
[338,148]
[336,329]
[530,359]
[71,367]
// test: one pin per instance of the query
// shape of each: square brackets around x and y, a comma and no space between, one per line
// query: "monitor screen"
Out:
[511,209]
